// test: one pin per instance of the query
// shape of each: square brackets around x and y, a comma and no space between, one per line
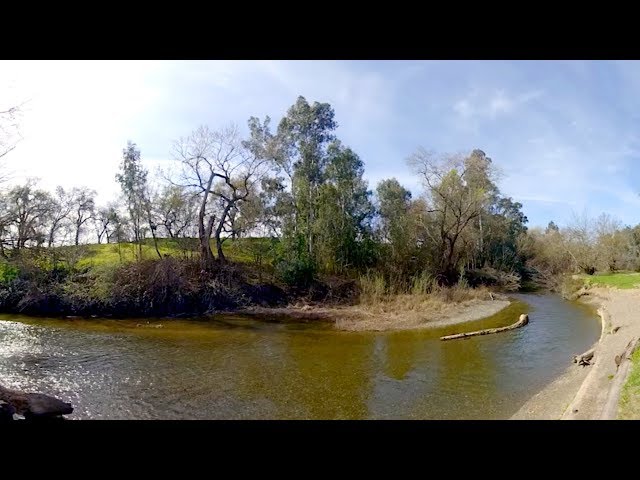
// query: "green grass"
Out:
[617,280]
[629,407]
[243,250]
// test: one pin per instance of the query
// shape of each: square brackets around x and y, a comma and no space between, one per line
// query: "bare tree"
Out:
[176,208]
[27,209]
[83,201]
[612,243]
[62,206]
[580,242]
[9,134]
[105,221]
[9,129]
[455,200]
[219,167]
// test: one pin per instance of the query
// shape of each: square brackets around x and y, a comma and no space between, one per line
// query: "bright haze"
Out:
[563,133]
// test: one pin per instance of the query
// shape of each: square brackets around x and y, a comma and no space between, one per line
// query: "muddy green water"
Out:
[240,368]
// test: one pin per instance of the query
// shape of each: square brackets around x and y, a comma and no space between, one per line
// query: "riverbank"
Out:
[592,392]
[358,318]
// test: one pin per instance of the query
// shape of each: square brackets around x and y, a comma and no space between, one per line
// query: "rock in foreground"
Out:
[31,405]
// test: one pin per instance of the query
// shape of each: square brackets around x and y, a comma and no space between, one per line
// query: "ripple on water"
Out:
[242,368]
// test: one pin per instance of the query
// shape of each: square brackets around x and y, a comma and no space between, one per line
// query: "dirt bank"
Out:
[592,392]
[361,318]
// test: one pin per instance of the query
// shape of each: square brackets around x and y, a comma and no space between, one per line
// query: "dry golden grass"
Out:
[405,311]
[423,304]
[398,312]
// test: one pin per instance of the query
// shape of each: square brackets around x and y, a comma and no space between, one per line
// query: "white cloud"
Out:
[479,104]
[555,144]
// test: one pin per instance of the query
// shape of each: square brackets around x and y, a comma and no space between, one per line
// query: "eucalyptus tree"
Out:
[394,226]
[301,143]
[343,218]
[132,179]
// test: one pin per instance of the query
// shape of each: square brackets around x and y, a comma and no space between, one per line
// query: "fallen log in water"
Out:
[34,405]
[522,321]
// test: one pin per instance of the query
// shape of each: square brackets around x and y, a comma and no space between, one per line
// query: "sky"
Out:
[564,134]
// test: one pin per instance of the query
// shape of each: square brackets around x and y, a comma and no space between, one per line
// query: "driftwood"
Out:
[584,359]
[32,405]
[522,321]
[627,352]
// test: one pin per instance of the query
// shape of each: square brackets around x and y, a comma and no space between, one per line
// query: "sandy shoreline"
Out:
[592,392]
[355,318]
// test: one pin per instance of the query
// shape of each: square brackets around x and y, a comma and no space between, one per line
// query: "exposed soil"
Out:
[364,318]
[591,392]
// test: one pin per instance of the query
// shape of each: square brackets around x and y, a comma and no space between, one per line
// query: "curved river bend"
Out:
[239,368]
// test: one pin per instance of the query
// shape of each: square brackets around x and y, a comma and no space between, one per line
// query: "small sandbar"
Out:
[394,316]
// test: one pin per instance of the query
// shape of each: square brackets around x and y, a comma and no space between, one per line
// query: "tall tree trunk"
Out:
[221,257]
[481,242]
[152,227]
[204,235]
[155,241]
[52,234]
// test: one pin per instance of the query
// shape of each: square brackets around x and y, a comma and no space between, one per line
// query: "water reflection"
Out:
[235,367]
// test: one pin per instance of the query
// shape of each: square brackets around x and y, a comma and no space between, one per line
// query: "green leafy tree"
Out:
[302,140]
[133,182]
[342,228]
[395,226]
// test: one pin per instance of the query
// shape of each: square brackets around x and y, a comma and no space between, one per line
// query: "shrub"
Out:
[570,287]
[298,272]
[8,273]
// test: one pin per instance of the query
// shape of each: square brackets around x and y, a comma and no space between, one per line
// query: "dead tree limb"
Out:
[522,321]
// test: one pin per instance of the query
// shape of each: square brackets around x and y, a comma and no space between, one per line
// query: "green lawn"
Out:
[618,280]
[629,407]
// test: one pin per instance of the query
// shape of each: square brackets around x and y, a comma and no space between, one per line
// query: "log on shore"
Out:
[585,359]
[34,405]
[522,321]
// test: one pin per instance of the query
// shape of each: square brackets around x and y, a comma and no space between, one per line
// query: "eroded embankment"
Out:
[591,392]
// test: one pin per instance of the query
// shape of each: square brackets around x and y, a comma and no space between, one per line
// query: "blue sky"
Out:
[565,134]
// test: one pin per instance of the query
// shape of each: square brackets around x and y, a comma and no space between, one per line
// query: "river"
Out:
[240,368]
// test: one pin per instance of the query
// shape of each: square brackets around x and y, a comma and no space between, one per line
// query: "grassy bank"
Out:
[110,280]
[244,250]
[573,287]
[629,403]
[629,407]
[617,280]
